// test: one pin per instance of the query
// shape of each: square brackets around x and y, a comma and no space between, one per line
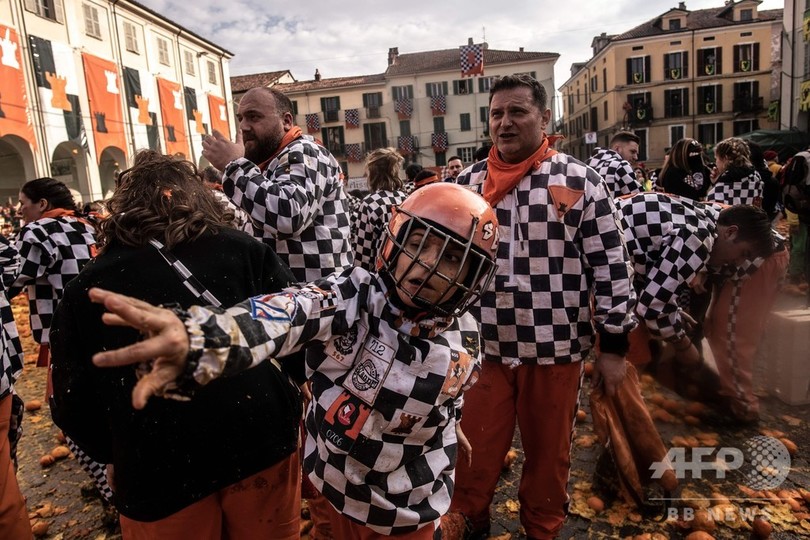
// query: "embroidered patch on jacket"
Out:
[564,198]
[404,422]
[261,308]
[366,379]
[344,420]
[457,372]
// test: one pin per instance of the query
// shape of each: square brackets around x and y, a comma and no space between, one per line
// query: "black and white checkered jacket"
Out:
[737,186]
[11,354]
[372,217]
[616,171]
[299,201]
[559,242]
[669,239]
[52,252]
[387,391]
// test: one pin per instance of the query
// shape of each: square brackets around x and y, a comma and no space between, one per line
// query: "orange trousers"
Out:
[266,505]
[14,524]
[544,401]
[344,528]
[734,332]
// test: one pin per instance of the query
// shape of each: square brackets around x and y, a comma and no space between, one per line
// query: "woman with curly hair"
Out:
[685,172]
[382,172]
[225,463]
[736,180]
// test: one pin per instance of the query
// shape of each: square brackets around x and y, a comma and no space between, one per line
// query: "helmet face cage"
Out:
[461,291]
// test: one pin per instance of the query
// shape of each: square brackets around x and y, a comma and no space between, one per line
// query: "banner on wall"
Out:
[15,116]
[219,115]
[104,97]
[170,95]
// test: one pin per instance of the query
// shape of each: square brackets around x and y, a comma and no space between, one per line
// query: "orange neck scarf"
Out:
[289,137]
[58,212]
[502,177]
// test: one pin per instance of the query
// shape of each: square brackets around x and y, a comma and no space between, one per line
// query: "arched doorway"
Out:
[69,165]
[113,161]
[17,164]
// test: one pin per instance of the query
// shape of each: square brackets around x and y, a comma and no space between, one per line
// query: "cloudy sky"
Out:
[352,37]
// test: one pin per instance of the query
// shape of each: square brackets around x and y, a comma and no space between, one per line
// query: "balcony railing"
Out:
[331,116]
[640,115]
[373,112]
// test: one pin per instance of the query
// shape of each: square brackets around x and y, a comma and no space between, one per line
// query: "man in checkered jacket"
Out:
[289,185]
[561,246]
[615,164]
[394,353]
[674,243]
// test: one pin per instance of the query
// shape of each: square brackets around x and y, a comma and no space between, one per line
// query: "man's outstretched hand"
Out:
[166,342]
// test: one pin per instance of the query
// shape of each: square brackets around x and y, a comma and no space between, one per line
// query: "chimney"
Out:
[469,41]
[682,6]
[521,49]
[317,75]
[393,53]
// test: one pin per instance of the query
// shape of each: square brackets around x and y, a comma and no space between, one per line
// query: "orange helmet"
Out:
[460,219]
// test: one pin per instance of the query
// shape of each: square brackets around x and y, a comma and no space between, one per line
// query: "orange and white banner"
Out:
[14,112]
[104,94]
[171,98]
[219,115]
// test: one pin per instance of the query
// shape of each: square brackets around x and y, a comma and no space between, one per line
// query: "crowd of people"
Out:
[394,318]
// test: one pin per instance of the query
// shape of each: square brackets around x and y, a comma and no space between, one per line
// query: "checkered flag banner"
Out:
[313,123]
[472,59]
[439,141]
[438,105]
[404,108]
[352,118]
[353,153]
[405,145]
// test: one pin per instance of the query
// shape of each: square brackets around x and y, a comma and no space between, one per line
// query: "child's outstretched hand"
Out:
[166,342]
[464,446]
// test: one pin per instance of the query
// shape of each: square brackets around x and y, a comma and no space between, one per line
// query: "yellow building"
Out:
[706,74]
[84,84]
[421,105]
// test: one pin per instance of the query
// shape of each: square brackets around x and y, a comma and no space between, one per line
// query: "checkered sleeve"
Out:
[284,204]
[232,340]
[37,253]
[606,255]
[678,262]
[11,354]
[372,217]
[615,171]
[625,179]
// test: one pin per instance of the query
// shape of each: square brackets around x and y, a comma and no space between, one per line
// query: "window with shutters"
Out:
[676,133]
[212,72]
[710,62]
[188,62]
[746,57]
[48,9]
[163,52]
[462,87]
[710,99]
[710,134]
[464,120]
[402,92]
[435,89]
[746,97]
[131,37]
[467,154]
[642,143]
[372,101]
[676,66]
[741,127]
[638,70]
[91,26]
[676,102]
[485,83]
[330,107]
[438,124]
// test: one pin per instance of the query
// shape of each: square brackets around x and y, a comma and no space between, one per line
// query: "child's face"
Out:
[416,279]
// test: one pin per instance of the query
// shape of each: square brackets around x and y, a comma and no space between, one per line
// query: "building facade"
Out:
[420,105]
[706,74]
[84,84]
[795,110]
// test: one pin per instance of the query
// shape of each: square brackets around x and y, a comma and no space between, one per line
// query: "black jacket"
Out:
[172,453]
